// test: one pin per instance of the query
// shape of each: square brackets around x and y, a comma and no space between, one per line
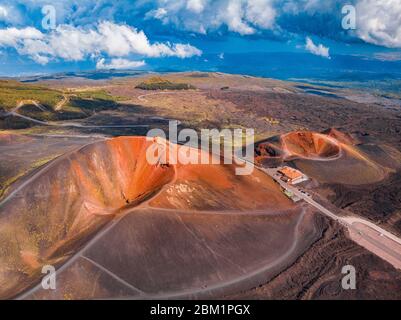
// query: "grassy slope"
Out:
[12,91]
[79,105]
[158,83]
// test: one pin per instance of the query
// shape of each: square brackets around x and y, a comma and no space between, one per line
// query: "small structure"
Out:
[291,175]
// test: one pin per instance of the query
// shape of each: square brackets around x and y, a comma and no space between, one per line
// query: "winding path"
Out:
[14,112]
[61,103]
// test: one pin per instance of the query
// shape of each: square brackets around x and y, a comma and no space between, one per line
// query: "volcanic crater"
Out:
[310,145]
[56,212]
[331,156]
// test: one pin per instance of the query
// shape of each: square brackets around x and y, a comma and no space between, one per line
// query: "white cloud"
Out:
[318,50]
[12,36]
[158,13]
[119,64]
[388,56]
[76,44]
[221,56]
[261,13]
[233,18]
[378,22]
[196,6]
[296,7]
[3,12]
[201,16]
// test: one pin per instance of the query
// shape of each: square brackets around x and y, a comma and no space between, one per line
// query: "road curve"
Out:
[14,112]
[382,243]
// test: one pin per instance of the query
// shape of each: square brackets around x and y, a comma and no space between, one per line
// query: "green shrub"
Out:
[158,83]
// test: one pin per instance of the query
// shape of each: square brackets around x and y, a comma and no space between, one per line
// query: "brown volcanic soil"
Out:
[76,195]
[342,137]
[172,253]
[317,274]
[316,113]
[379,202]
[22,154]
[364,179]
[350,168]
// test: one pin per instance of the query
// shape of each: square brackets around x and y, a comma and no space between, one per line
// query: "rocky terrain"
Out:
[375,279]
[76,191]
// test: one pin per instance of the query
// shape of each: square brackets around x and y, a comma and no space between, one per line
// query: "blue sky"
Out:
[143,34]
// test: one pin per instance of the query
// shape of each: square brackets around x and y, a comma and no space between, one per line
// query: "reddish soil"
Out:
[343,137]
[54,215]
[301,145]
[310,145]
[330,157]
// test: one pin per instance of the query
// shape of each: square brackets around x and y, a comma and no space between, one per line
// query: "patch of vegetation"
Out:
[199,75]
[11,92]
[84,103]
[79,105]
[99,95]
[41,162]
[14,123]
[5,186]
[70,112]
[158,83]
[89,105]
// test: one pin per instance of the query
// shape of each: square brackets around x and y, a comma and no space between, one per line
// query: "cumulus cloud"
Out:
[261,13]
[76,44]
[10,37]
[378,22]
[318,50]
[240,16]
[196,6]
[119,63]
